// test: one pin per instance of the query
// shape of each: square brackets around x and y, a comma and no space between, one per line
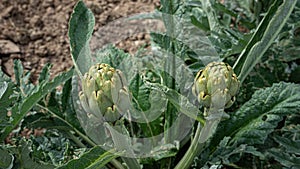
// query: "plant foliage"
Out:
[260,39]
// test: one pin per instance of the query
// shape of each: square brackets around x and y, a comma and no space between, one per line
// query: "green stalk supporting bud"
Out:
[104,93]
[215,88]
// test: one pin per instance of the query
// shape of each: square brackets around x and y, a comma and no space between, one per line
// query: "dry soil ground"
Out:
[35,31]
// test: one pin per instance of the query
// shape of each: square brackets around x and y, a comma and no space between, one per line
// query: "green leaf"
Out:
[66,93]
[214,24]
[181,50]
[288,150]
[258,117]
[285,159]
[7,98]
[45,74]
[169,7]
[203,24]
[80,31]
[18,70]
[24,159]
[113,56]
[289,144]
[264,36]
[40,120]
[294,77]
[148,104]
[140,91]
[192,47]
[19,111]
[93,159]
[53,147]
[180,102]
[164,151]
[230,154]
[6,160]
[3,88]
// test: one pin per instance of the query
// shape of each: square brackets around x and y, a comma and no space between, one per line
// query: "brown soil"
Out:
[35,31]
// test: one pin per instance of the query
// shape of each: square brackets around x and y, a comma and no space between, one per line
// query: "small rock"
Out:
[8,67]
[6,12]
[8,47]
[36,35]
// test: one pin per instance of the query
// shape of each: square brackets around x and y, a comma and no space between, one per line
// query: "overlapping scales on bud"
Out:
[216,85]
[104,93]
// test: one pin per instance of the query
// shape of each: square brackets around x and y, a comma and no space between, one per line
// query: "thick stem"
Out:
[193,150]
[198,142]
[116,164]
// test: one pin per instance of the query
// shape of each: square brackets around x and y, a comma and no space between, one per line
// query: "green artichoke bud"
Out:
[104,93]
[216,85]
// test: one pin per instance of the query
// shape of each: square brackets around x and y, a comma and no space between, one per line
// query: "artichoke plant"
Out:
[216,86]
[104,93]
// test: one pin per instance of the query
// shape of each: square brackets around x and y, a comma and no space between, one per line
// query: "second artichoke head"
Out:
[216,85]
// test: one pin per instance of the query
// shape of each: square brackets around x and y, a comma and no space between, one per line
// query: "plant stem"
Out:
[193,150]
[198,142]
[116,164]
[75,139]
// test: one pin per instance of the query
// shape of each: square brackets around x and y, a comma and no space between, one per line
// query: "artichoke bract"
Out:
[104,93]
[216,85]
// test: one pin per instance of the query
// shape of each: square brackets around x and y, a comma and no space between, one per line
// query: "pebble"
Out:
[8,47]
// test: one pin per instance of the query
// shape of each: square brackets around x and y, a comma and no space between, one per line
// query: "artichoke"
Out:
[216,86]
[104,93]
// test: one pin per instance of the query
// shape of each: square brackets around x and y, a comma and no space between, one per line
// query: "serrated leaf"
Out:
[111,55]
[290,145]
[148,105]
[285,159]
[45,74]
[81,27]
[230,154]
[288,150]
[24,159]
[264,36]
[258,117]
[18,70]
[140,92]
[19,111]
[53,147]
[93,159]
